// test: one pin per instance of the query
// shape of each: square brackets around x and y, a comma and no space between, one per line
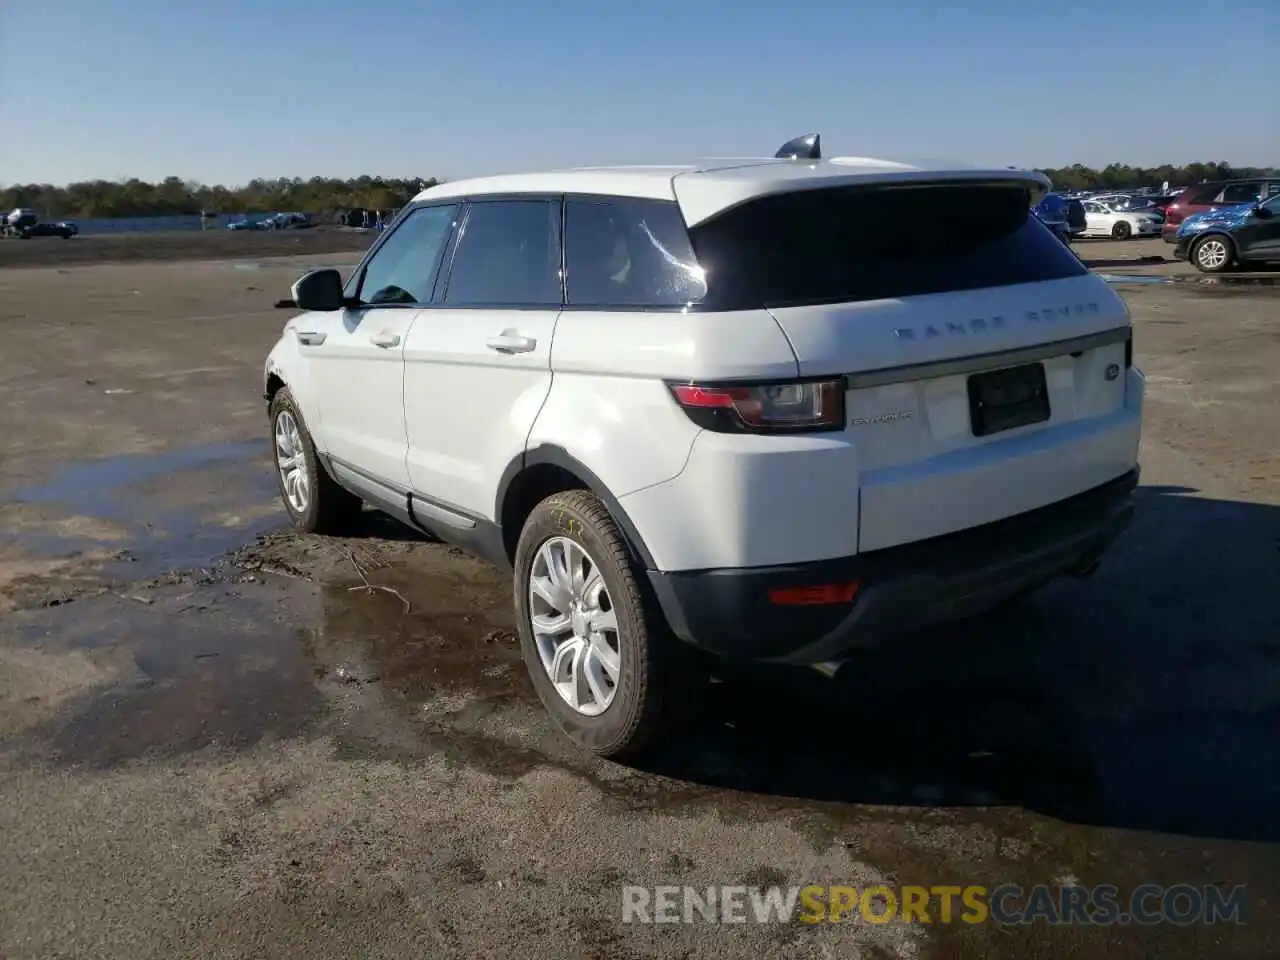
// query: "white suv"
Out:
[752,405]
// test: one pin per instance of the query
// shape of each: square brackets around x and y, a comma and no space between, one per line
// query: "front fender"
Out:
[286,363]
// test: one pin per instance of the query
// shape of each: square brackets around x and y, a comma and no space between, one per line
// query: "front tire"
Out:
[1213,254]
[1121,230]
[600,655]
[315,502]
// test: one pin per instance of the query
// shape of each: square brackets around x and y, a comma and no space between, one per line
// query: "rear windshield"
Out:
[852,244]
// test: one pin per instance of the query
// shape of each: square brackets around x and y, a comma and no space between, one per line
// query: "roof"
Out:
[712,187]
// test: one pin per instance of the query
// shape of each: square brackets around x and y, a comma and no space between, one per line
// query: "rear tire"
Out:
[607,668]
[1213,254]
[1121,230]
[315,502]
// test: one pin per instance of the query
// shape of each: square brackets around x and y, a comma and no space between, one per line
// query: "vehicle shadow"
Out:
[1145,698]
[375,525]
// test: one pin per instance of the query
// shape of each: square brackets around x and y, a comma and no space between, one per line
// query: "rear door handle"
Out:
[385,339]
[508,341]
[310,338]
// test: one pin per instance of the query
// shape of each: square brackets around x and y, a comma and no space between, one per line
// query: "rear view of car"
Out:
[964,423]
[747,407]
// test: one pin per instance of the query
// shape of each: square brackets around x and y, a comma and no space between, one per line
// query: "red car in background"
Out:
[1202,197]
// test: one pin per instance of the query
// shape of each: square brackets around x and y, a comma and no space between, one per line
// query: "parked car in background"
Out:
[247,224]
[1139,205]
[1052,212]
[1105,221]
[288,221]
[1231,236]
[58,228]
[1077,221]
[24,223]
[1213,194]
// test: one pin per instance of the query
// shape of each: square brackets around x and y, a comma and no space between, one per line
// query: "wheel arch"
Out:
[275,383]
[546,469]
[1214,232]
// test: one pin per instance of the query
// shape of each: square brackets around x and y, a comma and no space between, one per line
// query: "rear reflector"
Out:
[814,596]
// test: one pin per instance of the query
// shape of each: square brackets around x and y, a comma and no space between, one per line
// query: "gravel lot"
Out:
[215,742]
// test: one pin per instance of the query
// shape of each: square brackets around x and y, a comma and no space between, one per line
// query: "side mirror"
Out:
[319,290]
[1261,212]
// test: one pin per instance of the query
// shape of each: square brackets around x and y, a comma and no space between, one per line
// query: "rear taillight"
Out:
[1173,213]
[801,406]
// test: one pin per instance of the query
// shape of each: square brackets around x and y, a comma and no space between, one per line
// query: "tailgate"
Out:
[986,367]
[970,407]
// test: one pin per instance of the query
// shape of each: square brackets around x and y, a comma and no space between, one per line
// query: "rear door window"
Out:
[875,243]
[629,253]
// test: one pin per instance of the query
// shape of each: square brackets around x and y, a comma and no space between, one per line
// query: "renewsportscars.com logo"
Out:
[1145,905]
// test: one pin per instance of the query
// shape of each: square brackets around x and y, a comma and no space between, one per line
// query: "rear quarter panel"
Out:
[610,407]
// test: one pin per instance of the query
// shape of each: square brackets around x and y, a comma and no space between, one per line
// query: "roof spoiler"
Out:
[808,147]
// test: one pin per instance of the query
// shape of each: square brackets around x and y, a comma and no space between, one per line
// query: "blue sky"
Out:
[225,90]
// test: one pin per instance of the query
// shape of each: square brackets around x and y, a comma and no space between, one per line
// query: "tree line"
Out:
[323,195]
[174,196]
[1121,176]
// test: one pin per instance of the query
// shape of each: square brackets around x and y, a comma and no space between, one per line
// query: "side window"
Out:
[403,269]
[508,253]
[629,253]
[1241,193]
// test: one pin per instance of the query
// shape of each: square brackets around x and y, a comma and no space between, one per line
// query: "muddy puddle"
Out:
[1230,283]
[145,514]
[399,648]
[413,655]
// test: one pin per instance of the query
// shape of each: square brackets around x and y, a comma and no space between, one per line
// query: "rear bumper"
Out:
[1169,232]
[729,611]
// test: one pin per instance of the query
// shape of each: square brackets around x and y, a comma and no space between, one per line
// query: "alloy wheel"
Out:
[292,462]
[1212,254]
[575,626]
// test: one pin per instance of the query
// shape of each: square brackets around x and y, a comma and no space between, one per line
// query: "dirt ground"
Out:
[216,741]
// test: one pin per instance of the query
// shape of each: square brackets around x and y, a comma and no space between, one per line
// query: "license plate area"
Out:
[1004,399]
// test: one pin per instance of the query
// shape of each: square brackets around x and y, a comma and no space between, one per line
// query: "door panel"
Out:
[1258,238]
[478,363]
[358,378]
[469,406]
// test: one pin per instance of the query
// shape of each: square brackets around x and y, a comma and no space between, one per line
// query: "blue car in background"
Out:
[1219,239]
[1064,217]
